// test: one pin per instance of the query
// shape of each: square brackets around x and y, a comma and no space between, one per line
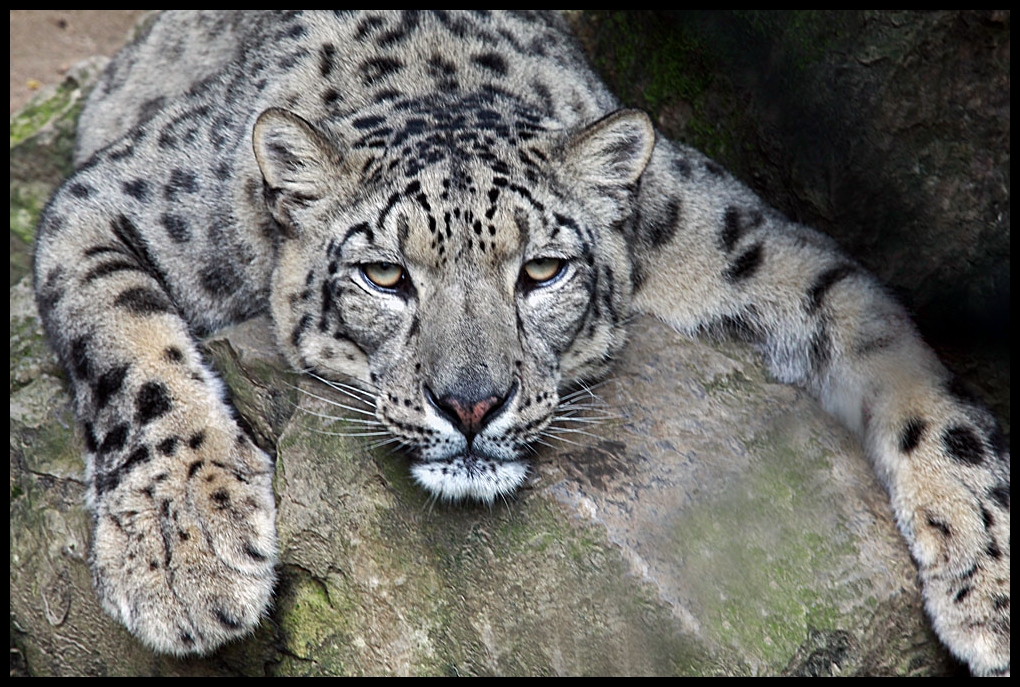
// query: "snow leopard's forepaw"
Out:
[184,553]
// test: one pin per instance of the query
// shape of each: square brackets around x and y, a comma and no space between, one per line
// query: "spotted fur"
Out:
[451,211]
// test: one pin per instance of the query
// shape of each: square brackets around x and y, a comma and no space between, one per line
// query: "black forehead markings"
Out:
[386,210]
[564,221]
[584,237]
[360,228]
[403,229]
[412,190]
[526,194]
[423,130]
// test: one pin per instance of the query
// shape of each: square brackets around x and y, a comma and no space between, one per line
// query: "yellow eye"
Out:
[386,275]
[542,270]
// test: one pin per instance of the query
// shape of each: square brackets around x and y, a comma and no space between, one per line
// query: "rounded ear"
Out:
[613,151]
[296,160]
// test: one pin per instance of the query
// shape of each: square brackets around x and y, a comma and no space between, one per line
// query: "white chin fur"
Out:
[469,477]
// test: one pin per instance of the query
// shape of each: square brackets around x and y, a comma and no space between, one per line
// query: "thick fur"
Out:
[451,211]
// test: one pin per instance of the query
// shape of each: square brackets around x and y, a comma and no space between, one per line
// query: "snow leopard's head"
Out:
[461,263]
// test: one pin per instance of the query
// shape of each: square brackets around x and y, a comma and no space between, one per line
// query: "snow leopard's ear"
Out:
[298,162]
[612,152]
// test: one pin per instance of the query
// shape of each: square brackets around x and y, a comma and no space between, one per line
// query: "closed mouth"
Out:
[469,476]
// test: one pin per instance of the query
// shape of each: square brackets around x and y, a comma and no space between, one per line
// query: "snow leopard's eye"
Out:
[385,275]
[542,270]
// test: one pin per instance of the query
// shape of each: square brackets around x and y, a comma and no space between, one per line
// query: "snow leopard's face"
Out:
[465,295]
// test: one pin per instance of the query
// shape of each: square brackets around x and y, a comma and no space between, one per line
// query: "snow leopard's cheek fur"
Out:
[465,353]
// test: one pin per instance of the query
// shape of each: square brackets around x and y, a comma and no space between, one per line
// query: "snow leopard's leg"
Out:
[710,255]
[184,539]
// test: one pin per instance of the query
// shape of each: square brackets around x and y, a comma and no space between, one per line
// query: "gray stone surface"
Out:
[717,523]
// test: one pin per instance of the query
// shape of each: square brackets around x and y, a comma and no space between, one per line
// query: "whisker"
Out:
[383,442]
[586,419]
[349,389]
[340,418]
[575,441]
[582,400]
[564,440]
[530,447]
[569,430]
[430,503]
[584,394]
[581,405]
[588,390]
[349,434]
[334,402]
[566,429]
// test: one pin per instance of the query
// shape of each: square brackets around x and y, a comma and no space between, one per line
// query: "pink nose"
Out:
[470,414]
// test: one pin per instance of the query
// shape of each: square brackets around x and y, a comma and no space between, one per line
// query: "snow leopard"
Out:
[451,211]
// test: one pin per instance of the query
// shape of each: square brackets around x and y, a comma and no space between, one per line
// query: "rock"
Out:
[715,523]
[707,521]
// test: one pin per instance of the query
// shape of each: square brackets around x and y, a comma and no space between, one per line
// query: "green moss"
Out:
[41,145]
[37,163]
[39,112]
[754,556]
[313,627]
[27,202]
[651,64]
